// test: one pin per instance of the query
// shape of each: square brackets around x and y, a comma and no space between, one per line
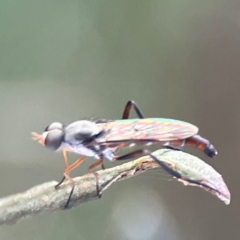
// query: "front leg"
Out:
[65,150]
[66,172]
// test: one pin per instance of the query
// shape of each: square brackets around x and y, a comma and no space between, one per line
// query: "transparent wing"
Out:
[148,129]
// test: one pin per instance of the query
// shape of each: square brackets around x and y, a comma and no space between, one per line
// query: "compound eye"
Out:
[54,139]
[55,125]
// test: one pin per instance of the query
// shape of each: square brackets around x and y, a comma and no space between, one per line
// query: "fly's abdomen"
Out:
[203,144]
[196,141]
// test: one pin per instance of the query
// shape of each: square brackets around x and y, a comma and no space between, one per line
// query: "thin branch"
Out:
[45,198]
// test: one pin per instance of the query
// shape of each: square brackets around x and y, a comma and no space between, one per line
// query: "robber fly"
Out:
[101,139]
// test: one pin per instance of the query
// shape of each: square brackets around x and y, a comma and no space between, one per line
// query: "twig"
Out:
[44,197]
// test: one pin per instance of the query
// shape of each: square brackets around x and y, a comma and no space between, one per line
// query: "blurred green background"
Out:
[68,60]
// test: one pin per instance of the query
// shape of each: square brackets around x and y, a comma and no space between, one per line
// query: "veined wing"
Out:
[147,129]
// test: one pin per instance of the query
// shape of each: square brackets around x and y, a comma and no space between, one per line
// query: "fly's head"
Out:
[57,136]
[52,137]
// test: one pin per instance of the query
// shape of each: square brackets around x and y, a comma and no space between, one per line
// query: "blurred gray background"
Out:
[68,60]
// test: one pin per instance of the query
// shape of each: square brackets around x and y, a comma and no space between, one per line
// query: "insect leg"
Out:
[94,165]
[142,152]
[60,182]
[137,153]
[128,107]
[178,175]
[165,166]
[173,148]
[97,184]
[67,171]
[65,150]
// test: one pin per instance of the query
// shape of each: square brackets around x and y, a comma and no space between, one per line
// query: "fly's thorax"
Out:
[95,150]
[84,150]
[81,132]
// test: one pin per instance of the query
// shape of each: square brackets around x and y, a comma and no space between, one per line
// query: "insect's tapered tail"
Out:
[201,143]
[196,141]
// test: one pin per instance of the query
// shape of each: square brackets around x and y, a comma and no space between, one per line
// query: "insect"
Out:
[101,139]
